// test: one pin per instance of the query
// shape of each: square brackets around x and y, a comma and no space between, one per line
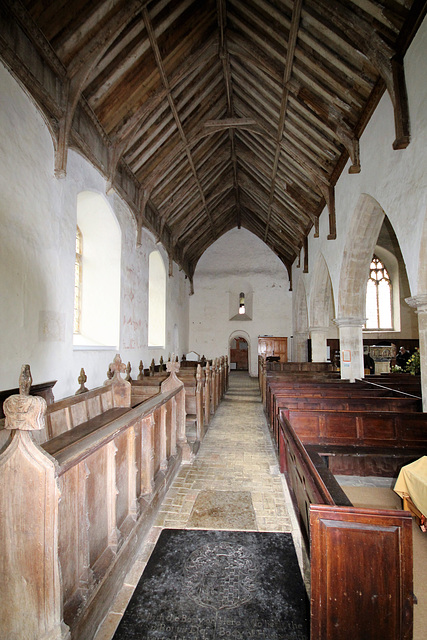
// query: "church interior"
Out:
[213,318]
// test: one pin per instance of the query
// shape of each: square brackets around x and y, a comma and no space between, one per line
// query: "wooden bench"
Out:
[203,392]
[387,439]
[76,509]
[361,559]
[43,389]
[342,403]
[277,387]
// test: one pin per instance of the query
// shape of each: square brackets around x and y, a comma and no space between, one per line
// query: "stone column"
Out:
[300,347]
[351,347]
[318,343]
[420,304]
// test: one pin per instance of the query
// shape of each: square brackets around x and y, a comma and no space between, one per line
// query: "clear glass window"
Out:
[378,297]
[78,282]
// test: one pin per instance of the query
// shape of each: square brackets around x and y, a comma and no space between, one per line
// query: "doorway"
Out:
[239,354]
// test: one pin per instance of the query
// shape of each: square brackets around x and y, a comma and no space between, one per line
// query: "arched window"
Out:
[78,282]
[99,238]
[379,297]
[156,300]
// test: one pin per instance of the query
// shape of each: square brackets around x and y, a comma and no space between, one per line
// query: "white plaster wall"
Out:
[37,230]
[396,179]
[238,261]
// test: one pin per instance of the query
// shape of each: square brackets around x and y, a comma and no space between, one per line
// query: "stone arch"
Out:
[422,264]
[300,313]
[321,304]
[239,333]
[419,302]
[360,244]
[321,297]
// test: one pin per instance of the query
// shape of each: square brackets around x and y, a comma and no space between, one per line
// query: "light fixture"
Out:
[242,309]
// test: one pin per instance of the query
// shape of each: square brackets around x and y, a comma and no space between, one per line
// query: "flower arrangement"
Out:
[396,369]
[413,365]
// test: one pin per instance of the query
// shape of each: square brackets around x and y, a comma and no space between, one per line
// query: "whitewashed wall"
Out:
[396,179]
[238,261]
[37,232]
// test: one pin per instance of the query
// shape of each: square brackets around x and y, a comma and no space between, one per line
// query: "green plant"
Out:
[396,369]
[413,365]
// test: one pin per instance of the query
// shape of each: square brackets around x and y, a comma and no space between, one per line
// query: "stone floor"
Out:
[234,479]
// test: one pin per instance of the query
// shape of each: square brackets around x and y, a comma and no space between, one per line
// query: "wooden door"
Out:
[239,354]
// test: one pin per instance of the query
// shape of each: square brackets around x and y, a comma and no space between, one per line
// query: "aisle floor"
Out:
[233,484]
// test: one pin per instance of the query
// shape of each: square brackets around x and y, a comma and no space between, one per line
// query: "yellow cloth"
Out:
[412,483]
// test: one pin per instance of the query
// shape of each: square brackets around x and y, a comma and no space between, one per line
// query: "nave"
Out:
[233,484]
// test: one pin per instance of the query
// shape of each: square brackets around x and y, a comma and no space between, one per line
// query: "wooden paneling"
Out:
[361,568]
[273,346]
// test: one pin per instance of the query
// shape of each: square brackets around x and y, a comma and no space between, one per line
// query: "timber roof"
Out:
[206,115]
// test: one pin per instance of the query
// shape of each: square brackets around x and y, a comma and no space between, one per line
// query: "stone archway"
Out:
[300,337]
[239,354]
[321,303]
[419,302]
[362,237]
[239,341]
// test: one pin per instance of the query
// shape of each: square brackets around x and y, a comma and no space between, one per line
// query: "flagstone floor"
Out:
[234,478]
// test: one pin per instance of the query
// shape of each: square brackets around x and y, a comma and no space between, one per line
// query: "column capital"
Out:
[319,329]
[349,321]
[419,303]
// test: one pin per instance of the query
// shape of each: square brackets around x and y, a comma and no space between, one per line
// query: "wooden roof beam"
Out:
[78,72]
[385,58]
[292,40]
[160,65]
[225,57]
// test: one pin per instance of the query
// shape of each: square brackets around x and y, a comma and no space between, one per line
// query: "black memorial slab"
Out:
[214,585]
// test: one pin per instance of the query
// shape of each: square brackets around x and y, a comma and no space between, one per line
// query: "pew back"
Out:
[82,503]
[361,559]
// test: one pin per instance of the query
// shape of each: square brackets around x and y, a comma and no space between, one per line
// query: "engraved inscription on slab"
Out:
[221,576]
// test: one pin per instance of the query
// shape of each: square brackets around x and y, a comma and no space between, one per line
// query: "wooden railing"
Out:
[75,509]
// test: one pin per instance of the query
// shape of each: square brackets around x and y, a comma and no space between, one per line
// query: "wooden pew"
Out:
[74,511]
[43,389]
[317,389]
[203,392]
[341,403]
[290,370]
[361,559]
[387,440]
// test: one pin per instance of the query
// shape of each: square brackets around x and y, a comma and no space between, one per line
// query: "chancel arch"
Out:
[301,334]
[321,304]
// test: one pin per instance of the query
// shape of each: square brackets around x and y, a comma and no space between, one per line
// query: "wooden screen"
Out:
[273,346]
